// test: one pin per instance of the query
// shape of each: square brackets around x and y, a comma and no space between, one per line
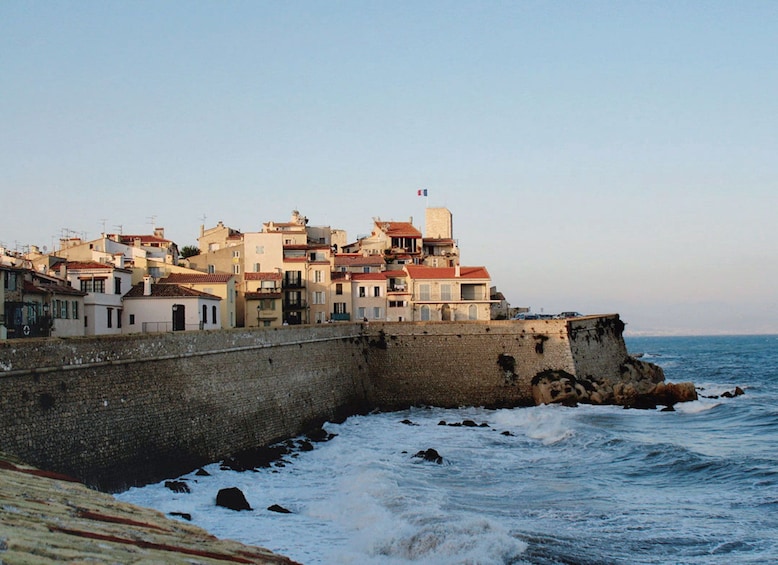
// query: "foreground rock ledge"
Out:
[48,518]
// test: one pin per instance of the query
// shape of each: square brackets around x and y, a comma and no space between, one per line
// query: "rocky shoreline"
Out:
[51,518]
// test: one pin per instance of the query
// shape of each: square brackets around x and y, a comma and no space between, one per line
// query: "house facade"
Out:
[151,308]
[221,285]
[449,293]
[103,286]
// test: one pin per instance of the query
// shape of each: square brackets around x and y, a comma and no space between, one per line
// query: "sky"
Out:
[596,156]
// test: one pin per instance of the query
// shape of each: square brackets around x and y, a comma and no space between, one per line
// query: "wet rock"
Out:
[185,515]
[407,422]
[555,387]
[737,392]
[318,435]
[232,498]
[442,423]
[259,457]
[430,455]
[279,509]
[202,473]
[178,486]
[469,424]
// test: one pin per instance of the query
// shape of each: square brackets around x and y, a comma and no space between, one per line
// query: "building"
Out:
[221,285]
[263,295]
[449,293]
[169,307]
[103,285]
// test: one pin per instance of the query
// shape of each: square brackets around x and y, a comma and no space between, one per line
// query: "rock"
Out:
[253,458]
[442,423]
[305,445]
[407,422]
[202,473]
[232,498]
[319,435]
[177,486]
[554,387]
[430,455]
[186,516]
[469,424]
[279,509]
[739,391]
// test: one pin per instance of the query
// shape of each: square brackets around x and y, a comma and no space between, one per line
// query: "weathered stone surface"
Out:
[232,498]
[47,518]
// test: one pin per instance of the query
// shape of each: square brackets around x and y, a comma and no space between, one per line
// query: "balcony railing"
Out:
[346,317]
[295,304]
[294,283]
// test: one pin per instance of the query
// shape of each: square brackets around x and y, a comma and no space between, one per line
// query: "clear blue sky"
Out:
[597,156]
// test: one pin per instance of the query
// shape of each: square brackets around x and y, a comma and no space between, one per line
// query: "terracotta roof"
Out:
[357,259]
[398,229]
[130,239]
[262,276]
[423,272]
[439,241]
[167,291]
[368,277]
[83,265]
[48,288]
[394,274]
[196,278]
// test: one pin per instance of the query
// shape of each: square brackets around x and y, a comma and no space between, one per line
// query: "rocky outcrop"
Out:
[640,385]
[232,498]
[51,518]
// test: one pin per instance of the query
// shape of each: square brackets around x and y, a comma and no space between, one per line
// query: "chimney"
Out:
[456,270]
[147,286]
[63,270]
[159,232]
[118,260]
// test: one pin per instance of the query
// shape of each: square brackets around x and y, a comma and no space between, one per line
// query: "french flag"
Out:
[422,192]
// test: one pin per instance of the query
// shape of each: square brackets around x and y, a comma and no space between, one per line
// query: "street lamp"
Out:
[259,312]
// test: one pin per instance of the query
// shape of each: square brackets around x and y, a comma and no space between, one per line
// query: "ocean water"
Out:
[541,485]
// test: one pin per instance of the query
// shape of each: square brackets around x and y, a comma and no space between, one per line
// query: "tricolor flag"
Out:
[422,192]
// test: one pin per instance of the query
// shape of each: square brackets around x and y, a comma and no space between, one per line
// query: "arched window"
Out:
[205,314]
[213,314]
[472,312]
[425,313]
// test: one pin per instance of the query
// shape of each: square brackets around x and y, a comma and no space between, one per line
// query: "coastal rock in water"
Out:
[430,455]
[177,486]
[555,387]
[254,458]
[279,509]
[185,515]
[319,435]
[232,498]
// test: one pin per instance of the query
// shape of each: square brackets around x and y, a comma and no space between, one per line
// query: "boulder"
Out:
[279,509]
[430,455]
[232,498]
[177,486]
[555,387]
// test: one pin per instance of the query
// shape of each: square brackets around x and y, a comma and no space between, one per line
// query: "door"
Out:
[179,318]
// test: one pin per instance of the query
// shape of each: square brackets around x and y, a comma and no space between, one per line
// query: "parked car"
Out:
[563,315]
[525,316]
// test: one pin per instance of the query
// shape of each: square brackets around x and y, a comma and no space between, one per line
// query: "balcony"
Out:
[293,283]
[295,305]
[345,317]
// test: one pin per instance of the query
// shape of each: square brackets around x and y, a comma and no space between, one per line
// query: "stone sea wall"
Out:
[115,411]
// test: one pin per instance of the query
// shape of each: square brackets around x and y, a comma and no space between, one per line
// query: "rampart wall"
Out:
[119,410]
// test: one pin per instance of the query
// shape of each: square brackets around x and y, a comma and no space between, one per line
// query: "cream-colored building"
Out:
[263,295]
[449,293]
[104,285]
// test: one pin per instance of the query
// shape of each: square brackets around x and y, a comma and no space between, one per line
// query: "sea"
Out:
[540,485]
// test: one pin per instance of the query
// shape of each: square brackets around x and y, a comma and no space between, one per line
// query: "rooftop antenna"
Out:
[120,226]
[203,218]
[102,221]
[152,220]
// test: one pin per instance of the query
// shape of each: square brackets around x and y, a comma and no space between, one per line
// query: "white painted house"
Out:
[152,308]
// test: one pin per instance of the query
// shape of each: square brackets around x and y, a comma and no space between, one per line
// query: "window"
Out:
[267,304]
[236,269]
[9,280]
[339,288]
[472,312]
[119,318]
[213,314]
[74,309]
[86,321]
[63,309]
[260,250]
[117,285]
[361,312]
[236,254]
[445,292]
[205,314]
[132,319]
[109,321]
[365,269]
[317,276]
[425,313]
[318,297]
[376,312]
[424,292]
[256,267]
[211,269]
[339,308]
[376,291]
[93,286]
[362,292]
[397,303]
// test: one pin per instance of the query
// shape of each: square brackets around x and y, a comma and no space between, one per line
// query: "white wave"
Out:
[548,424]
[696,406]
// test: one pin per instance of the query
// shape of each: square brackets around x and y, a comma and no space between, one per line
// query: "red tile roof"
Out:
[83,265]
[357,259]
[368,277]
[195,278]
[262,295]
[398,229]
[423,272]
[167,291]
